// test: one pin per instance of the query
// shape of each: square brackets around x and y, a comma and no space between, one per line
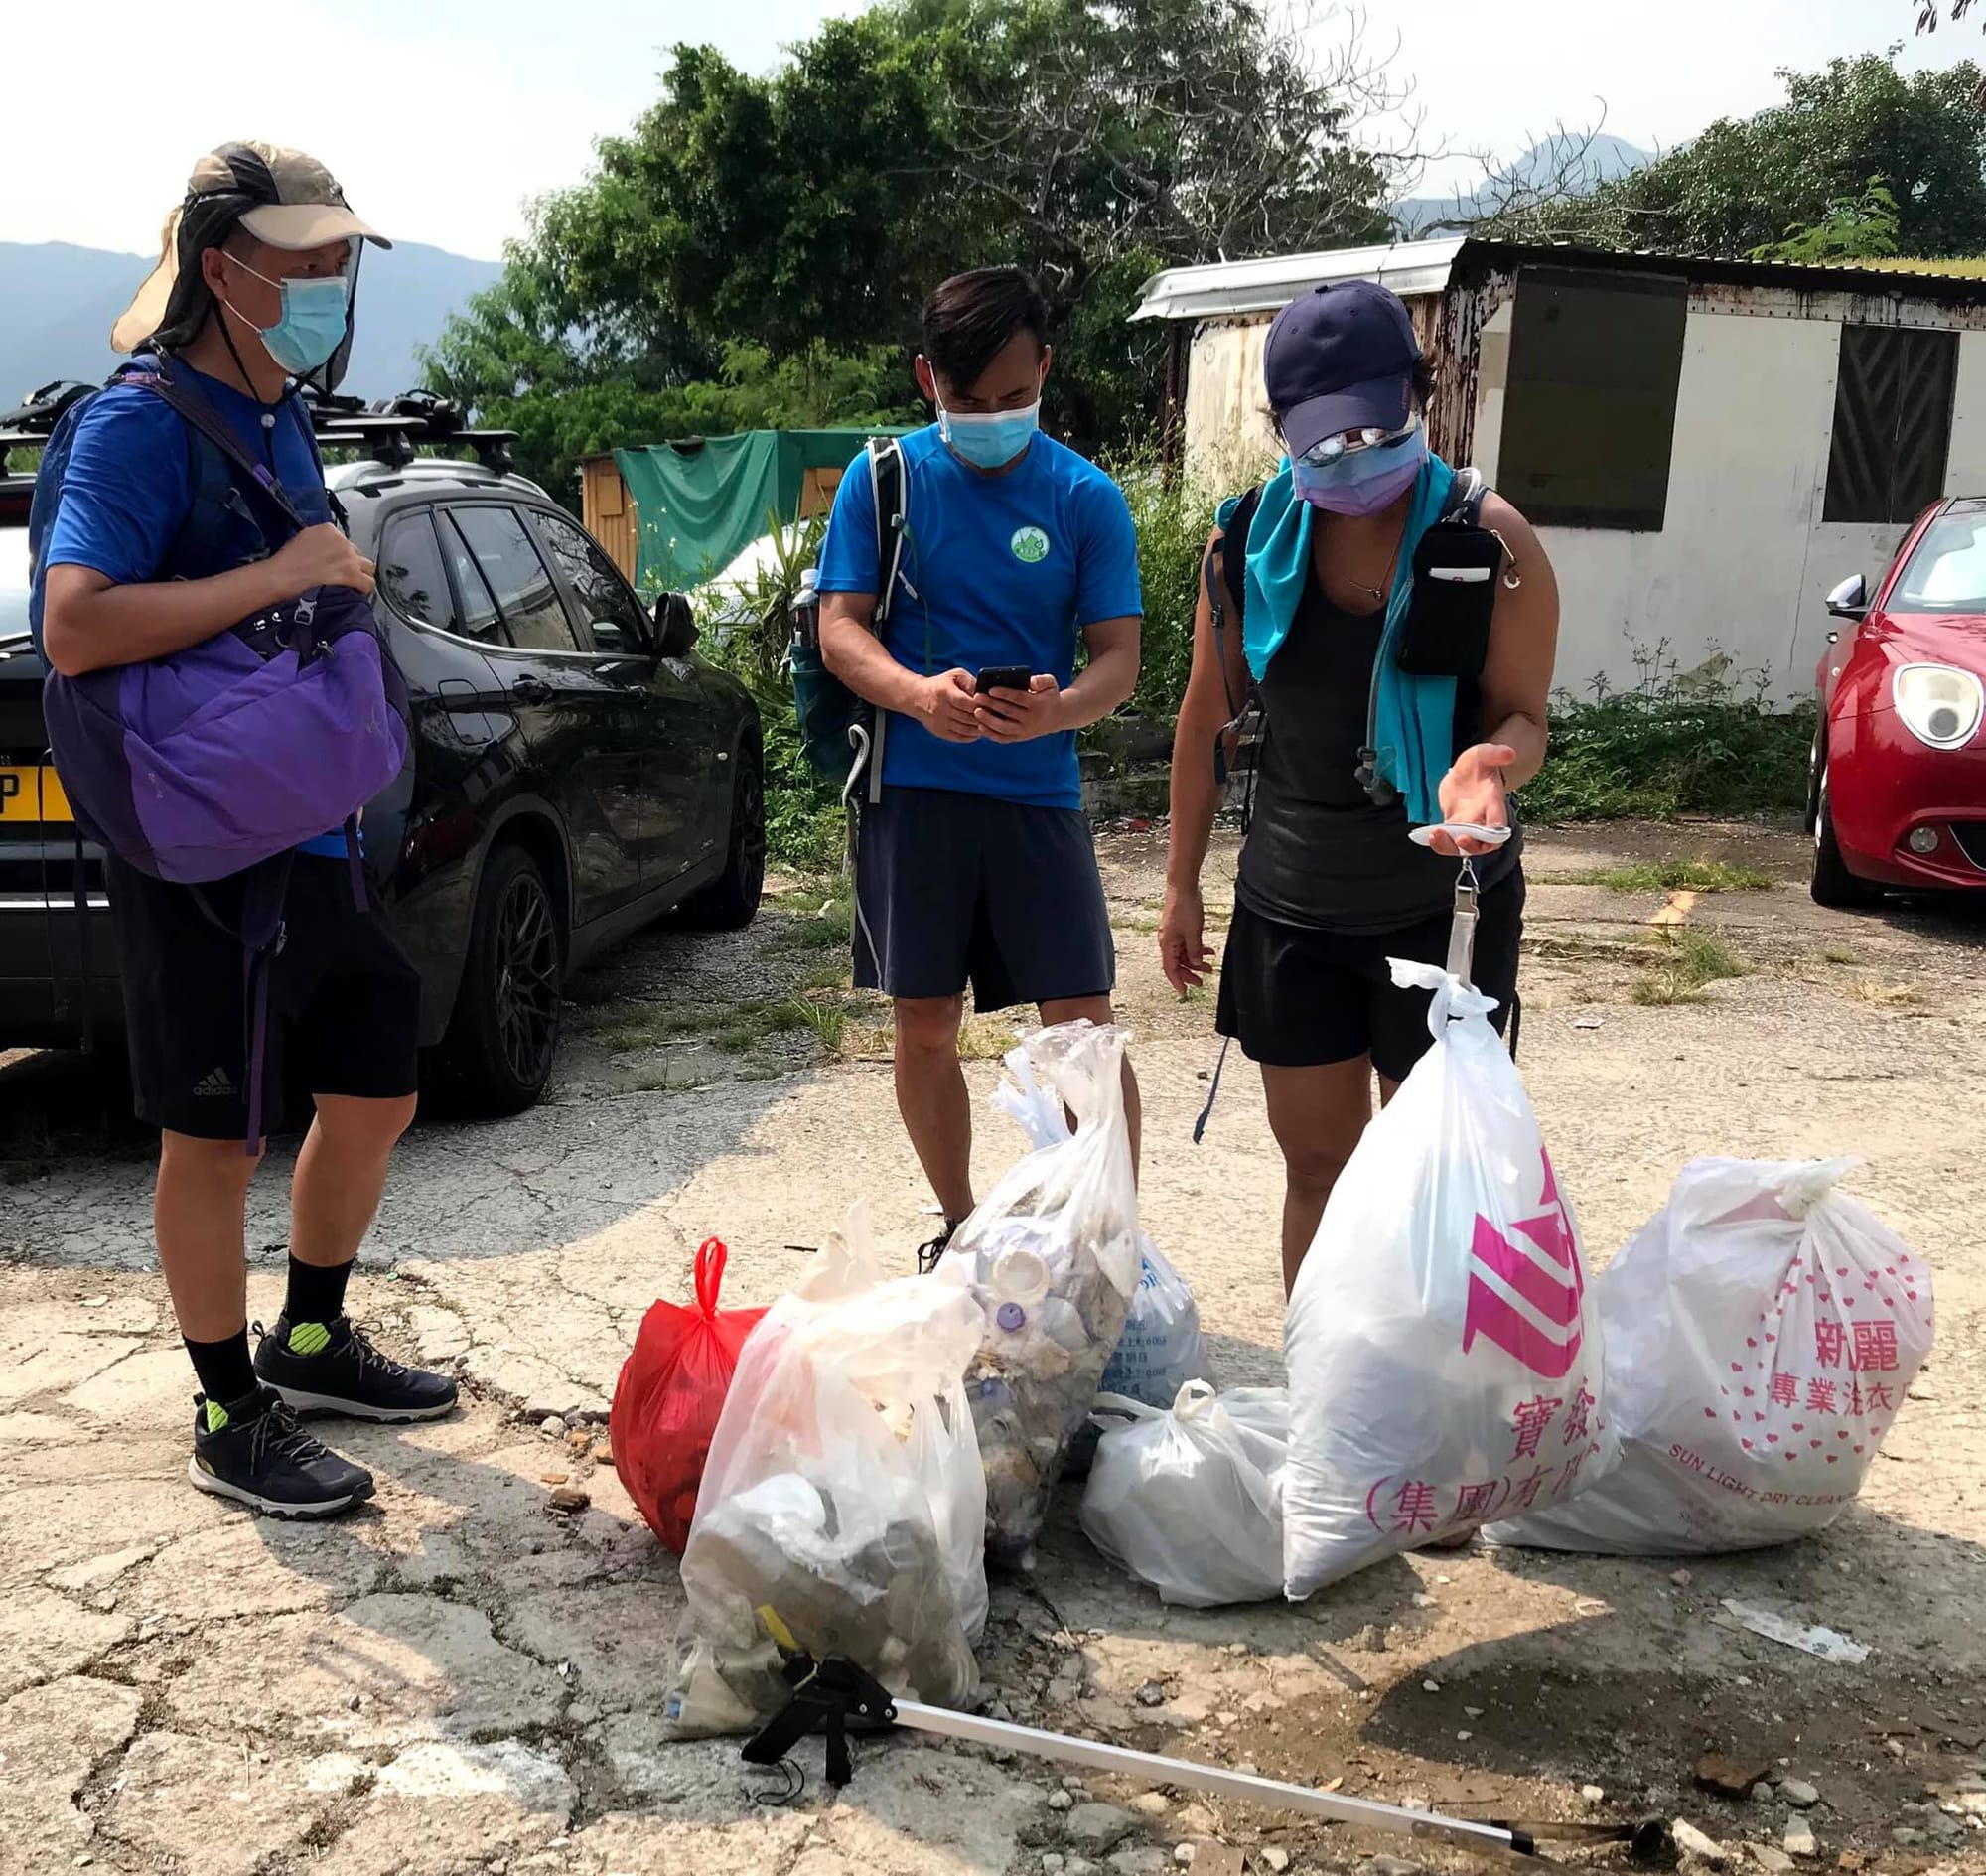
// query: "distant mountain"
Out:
[1600,161]
[60,301]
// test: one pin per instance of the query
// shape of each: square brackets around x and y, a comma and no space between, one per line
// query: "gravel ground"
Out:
[464,1678]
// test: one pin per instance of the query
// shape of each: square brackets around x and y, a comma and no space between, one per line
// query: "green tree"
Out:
[1864,229]
[1744,183]
[814,208]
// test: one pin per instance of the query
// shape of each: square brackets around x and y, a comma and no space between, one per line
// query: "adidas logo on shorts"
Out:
[218,1085]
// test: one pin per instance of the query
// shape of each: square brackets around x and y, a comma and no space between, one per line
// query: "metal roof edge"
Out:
[1410,269]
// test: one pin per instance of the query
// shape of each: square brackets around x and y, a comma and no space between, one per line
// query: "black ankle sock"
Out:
[226,1375]
[317,1292]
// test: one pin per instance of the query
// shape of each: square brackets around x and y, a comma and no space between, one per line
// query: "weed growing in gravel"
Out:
[1839,954]
[1667,876]
[1684,961]
[1883,996]
[827,930]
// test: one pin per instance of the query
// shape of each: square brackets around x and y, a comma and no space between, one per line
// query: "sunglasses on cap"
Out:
[1333,449]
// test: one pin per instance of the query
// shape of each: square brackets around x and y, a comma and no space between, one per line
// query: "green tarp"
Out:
[704,500]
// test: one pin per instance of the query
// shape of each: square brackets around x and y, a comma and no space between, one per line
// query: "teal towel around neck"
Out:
[1413,721]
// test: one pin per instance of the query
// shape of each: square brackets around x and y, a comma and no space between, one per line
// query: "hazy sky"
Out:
[441,118]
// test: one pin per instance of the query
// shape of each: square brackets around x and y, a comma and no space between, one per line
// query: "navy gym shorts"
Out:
[954,888]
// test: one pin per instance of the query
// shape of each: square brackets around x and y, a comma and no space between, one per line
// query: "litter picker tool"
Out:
[834,1695]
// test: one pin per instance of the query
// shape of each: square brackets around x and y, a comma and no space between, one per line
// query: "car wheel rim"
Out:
[751,833]
[528,990]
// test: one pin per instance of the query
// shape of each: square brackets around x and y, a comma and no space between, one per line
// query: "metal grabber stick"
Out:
[832,1694]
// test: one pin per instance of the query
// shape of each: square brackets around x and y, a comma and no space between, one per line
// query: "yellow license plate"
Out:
[32,795]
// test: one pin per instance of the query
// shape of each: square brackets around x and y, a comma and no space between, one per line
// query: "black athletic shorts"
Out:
[344,1003]
[1299,998]
[953,888]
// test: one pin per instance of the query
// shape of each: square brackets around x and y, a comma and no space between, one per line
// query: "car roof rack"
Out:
[392,430]
[389,430]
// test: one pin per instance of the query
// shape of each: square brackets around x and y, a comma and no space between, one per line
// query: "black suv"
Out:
[576,769]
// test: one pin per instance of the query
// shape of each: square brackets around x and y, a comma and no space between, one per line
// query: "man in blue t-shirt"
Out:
[156,545]
[977,865]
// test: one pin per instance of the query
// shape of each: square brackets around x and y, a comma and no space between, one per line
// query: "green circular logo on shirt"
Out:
[1029,544]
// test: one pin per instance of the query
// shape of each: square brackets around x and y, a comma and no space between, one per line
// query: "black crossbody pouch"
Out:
[1446,633]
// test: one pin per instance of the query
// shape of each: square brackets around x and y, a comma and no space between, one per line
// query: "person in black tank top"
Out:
[1330,887]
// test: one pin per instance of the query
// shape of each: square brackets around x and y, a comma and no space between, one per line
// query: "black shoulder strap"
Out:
[199,415]
[1464,497]
[1235,553]
[887,487]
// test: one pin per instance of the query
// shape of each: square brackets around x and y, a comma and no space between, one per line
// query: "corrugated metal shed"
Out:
[1413,268]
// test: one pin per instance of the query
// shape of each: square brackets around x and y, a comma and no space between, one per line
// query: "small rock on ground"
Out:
[1730,1775]
[1800,1794]
[1774,1863]
[1799,1840]
[1700,1848]
[1099,1826]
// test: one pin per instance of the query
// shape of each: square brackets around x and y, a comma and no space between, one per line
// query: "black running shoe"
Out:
[930,1255]
[329,1367]
[255,1452]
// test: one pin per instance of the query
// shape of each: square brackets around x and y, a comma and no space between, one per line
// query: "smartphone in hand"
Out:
[1003,677]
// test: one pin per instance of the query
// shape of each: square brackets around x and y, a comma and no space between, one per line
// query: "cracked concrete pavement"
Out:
[464,1679]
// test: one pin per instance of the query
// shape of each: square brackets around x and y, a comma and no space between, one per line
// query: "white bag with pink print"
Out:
[1762,1331]
[1443,1344]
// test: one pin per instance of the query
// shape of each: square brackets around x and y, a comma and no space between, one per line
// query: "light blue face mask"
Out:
[312,328]
[990,439]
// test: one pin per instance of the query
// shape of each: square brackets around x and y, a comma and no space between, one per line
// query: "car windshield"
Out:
[1947,571]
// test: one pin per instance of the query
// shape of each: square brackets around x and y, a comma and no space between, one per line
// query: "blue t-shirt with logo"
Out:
[128,488]
[997,570]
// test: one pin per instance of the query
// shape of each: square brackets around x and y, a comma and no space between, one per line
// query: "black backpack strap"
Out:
[889,492]
[1464,497]
[199,415]
[888,486]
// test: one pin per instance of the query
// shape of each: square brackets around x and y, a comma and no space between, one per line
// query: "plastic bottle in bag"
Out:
[1444,1348]
[1050,1259]
[1160,1349]
[1190,1500]
[1763,1331]
[843,1493]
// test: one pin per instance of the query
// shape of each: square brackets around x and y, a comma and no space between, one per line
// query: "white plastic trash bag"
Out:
[1189,1500]
[1762,1332]
[1050,1258]
[1160,1349]
[1443,1343]
[843,1502]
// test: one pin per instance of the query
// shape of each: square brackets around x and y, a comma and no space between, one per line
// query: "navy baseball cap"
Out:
[1340,359]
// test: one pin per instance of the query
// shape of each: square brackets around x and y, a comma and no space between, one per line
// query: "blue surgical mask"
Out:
[990,439]
[312,328]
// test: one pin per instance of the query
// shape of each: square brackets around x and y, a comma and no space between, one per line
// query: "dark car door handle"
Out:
[532,690]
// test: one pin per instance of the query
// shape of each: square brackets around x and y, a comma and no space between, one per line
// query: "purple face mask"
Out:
[1362,481]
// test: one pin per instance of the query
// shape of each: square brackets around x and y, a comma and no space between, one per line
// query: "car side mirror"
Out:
[1850,599]
[676,624]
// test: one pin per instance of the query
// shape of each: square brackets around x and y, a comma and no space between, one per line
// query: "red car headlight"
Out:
[1940,704]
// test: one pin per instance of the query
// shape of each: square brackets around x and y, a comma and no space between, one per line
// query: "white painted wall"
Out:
[1743,562]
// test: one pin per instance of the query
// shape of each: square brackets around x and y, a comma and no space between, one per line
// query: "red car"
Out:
[1898,799]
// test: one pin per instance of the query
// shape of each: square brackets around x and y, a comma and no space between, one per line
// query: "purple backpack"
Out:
[225,758]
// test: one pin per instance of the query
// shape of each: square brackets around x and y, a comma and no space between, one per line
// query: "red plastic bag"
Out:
[669,1397]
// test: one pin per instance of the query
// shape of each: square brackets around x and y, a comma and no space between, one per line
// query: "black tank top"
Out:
[1319,853]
